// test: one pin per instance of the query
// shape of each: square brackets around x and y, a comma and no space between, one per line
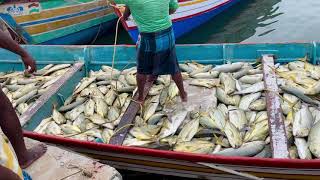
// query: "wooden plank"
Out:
[31,112]
[128,118]
[58,163]
[277,130]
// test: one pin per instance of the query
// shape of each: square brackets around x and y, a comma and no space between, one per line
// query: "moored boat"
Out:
[57,21]
[162,161]
[190,14]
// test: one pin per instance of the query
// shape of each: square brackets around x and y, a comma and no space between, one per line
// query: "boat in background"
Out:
[190,14]
[57,21]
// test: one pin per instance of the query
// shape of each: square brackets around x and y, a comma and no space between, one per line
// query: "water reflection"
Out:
[236,24]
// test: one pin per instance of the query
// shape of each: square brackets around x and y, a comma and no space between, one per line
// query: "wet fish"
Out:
[97,119]
[195,146]
[258,132]
[226,99]
[101,107]
[257,87]
[58,117]
[233,135]
[106,135]
[171,126]
[151,107]
[53,129]
[110,97]
[247,149]
[113,114]
[72,105]
[258,105]
[229,67]
[146,132]
[188,131]
[74,113]
[238,118]
[302,147]
[83,84]
[228,83]
[302,123]
[208,83]
[314,141]
[248,99]
[251,79]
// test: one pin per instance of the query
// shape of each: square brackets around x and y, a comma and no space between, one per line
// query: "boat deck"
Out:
[58,163]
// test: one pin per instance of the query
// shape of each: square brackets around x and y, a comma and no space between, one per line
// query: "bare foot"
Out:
[184,97]
[33,154]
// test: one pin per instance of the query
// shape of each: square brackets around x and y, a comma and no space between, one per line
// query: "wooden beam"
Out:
[277,130]
[54,88]
[128,118]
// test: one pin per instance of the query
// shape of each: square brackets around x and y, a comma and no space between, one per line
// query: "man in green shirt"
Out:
[156,48]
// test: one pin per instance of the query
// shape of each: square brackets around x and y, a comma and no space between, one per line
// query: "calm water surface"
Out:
[253,21]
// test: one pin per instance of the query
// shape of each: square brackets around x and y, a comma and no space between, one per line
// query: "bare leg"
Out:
[11,127]
[7,174]
[177,78]
[151,78]
[141,81]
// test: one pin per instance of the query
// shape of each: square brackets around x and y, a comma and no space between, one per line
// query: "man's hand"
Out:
[29,62]
[172,11]
[126,14]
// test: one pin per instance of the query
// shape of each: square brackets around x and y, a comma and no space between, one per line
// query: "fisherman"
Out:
[11,161]
[156,47]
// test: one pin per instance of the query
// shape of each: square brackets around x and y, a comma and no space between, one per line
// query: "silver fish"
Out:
[247,100]
[303,150]
[247,149]
[228,83]
[229,67]
[302,123]
[253,89]
[314,141]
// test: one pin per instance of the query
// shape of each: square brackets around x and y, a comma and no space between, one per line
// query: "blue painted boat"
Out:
[151,160]
[191,14]
[57,21]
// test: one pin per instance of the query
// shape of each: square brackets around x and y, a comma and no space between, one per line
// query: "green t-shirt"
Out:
[150,15]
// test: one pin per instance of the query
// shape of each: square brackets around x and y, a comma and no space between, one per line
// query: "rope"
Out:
[230,171]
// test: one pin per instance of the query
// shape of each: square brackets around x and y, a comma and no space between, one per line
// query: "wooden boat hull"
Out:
[186,164]
[161,161]
[190,15]
[59,22]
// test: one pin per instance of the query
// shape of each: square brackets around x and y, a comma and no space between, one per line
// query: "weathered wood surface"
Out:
[277,130]
[27,116]
[58,164]
[128,118]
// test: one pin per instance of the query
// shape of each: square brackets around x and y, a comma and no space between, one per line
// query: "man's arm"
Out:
[9,44]
[126,13]
[6,174]
[173,6]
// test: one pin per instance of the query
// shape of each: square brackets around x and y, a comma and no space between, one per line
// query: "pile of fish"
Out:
[238,124]
[23,89]
[95,107]
[235,125]
[299,82]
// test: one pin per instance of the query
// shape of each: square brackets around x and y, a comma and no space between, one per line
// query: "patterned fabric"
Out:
[8,158]
[26,176]
[150,15]
[157,53]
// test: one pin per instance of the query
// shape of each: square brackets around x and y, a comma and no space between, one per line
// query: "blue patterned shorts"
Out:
[26,176]
[157,53]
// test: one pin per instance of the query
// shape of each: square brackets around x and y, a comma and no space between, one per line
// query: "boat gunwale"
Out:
[192,157]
